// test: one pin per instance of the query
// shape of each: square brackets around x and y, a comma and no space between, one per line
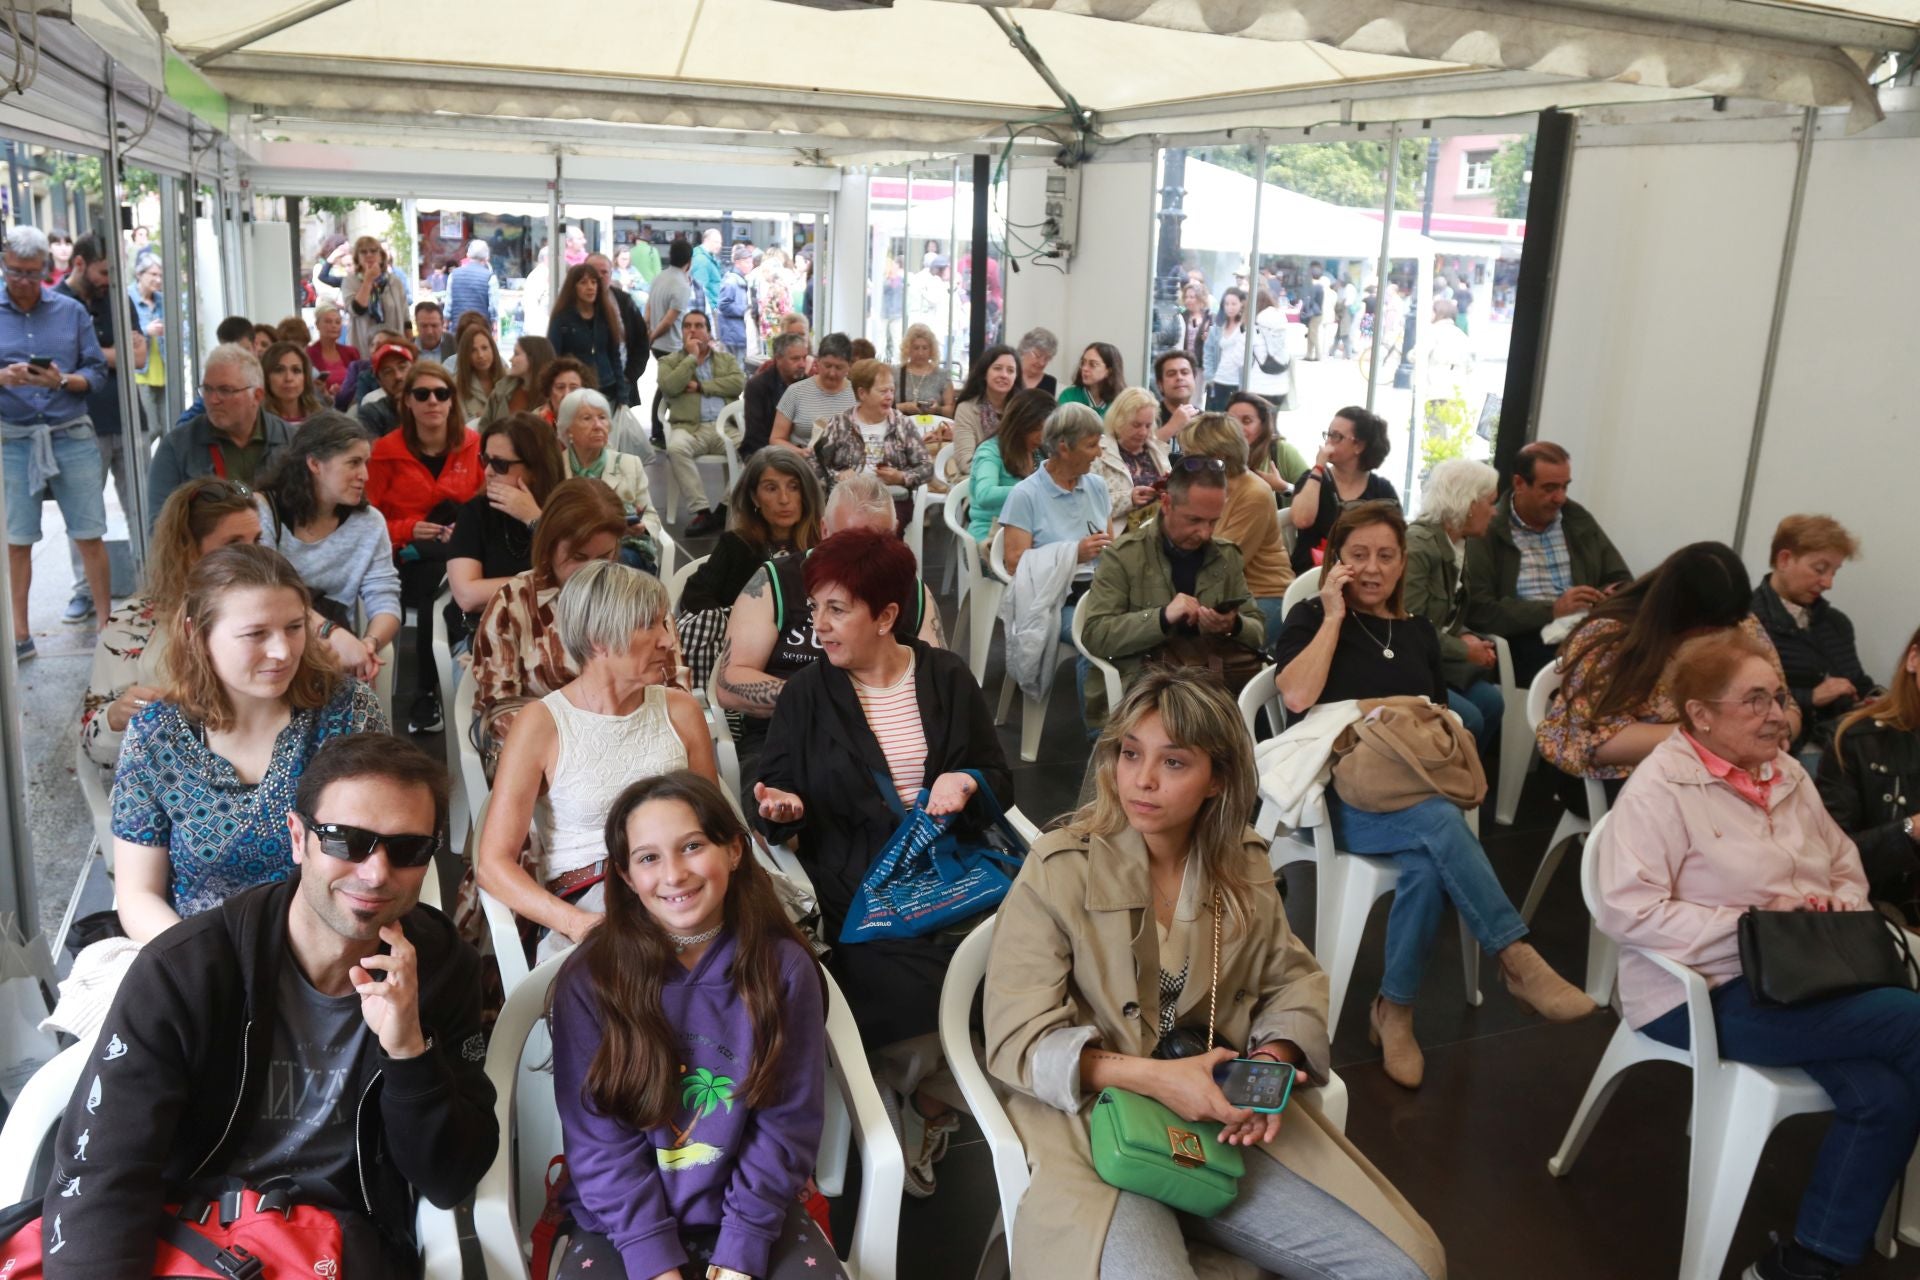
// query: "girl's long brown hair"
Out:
[309,402]
[1025,415]
[478,385]
[1899,706]
[634,1075]
[569,300]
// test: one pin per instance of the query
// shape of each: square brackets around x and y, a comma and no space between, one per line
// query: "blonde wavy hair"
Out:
[1198,714]
[1129,402]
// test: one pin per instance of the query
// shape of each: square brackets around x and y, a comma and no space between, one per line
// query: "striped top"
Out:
[893,713]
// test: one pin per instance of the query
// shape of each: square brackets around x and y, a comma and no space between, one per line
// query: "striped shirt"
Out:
[1546,568]
[893,713]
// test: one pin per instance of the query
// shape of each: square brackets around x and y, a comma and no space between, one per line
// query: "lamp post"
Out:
[1168,276]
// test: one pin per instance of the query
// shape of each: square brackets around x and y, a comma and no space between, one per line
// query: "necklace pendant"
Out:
[1388,653]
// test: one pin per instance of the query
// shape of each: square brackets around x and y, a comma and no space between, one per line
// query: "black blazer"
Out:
[1870,783]
[820,748]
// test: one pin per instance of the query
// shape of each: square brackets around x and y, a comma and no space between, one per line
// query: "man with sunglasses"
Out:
[235,438]
[322,1034]
[1171,592]
[379,410]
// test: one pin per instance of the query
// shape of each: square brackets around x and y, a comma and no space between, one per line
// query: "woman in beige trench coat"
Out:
[1108,914]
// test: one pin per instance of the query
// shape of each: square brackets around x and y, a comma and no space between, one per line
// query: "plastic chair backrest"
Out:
[473,770]
[1540,694]
[1109,674]
[1262,693]
[669,553]
[997,556]
[502,928]
[732,415]
[965,972]
[34,1116]
[1590,868]
[678,582]
[942,458]
[1299,589]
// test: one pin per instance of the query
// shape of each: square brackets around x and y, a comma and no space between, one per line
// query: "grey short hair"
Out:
[860,501]
[787,342]
[239,357]
[25,241]
[478,250]
[1453,488]
[1039,340]
[326,307]
[573,402]
[1067,426]
[603,605]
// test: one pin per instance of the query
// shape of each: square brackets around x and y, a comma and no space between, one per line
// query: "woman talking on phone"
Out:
[1355,640]
[1161,876]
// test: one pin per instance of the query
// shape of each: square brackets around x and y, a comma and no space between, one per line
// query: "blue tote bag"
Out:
[926,879]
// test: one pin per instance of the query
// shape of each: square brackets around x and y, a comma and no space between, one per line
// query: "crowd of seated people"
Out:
[290,541]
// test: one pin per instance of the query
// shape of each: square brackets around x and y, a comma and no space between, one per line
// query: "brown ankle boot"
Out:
[1391,1029]
[1533,983]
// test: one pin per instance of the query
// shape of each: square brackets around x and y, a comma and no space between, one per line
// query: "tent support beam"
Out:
[1082,118]
[1809,129]
[265,29]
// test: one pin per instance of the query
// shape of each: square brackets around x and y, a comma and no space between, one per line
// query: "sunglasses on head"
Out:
[1199,462]
[500,466]
[423,394]
[356,844]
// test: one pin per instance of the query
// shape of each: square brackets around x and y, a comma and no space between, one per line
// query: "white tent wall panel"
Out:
[1103,298]
[847,258]
[1665,285]
[1843,433]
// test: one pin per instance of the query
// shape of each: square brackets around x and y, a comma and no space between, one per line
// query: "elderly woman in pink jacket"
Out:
[1720,818]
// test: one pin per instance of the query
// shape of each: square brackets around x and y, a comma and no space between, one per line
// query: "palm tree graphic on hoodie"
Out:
[702,1093]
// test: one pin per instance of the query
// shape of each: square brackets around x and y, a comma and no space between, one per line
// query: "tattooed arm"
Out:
[930,630]
[743,684]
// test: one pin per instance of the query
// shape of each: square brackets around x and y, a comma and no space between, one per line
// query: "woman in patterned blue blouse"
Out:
[207,773]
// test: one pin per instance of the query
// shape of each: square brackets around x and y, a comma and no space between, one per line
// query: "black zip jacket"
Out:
[1824,649]
[175,1076]
[1870,783]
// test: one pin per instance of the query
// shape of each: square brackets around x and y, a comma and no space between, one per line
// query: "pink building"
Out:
[1463,179]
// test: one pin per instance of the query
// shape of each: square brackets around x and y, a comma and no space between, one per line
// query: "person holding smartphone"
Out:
[1136,882]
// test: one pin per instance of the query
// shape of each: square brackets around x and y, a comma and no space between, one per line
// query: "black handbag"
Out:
[1796,957]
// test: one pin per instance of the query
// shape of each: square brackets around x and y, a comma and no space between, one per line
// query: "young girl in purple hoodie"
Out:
[689,1057]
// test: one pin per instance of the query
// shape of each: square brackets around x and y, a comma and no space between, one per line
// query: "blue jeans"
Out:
[1439,861]
[1081,670]
[79,487]
[1480,707]
[1272,615]
[1864,1050]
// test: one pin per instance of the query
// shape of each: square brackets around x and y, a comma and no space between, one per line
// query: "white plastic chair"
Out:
[513,1190]
[965,973]
[100,808]
[1602,955]
[469,769]
[503,928]
[1109,674]
[1307,584]
[678,582]
[1517,747]
[446,672]
[669,554]
[1033,713]
[1735,1106]
[982,589]
[1346,884]
[726,755]
[727,464]
[957,583]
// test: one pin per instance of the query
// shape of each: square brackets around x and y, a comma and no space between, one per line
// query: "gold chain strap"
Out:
[1213,992]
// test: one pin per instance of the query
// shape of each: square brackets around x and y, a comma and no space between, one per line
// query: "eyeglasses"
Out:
[1334,437]
[25,273]
[1199,462]
[1757,703]
[212,392]
[356,844]
[421,395]
[500,466]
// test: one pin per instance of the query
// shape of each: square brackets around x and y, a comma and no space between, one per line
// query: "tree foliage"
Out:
[1353,174]
[1512,169]
[83,172]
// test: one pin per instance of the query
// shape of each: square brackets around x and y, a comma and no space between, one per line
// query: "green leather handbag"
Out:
[1140,1145]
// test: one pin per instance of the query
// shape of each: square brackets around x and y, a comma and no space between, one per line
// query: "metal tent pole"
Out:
[1386,260]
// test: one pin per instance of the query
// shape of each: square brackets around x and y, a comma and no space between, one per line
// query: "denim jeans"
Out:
[1864,1050]
[1439,861]
[1480,707]
[1272,616]
[1081,670]
[79,487]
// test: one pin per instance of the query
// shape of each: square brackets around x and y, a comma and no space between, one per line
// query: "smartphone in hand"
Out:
[1256,1084]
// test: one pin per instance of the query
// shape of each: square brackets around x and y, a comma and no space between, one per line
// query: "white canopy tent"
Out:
[1218,204]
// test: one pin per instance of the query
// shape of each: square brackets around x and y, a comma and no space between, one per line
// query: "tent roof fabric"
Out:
[938,72]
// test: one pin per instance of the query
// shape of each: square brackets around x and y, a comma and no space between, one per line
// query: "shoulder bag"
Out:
[1798,957]
[1404,750]
[926,879]
[1141,1145]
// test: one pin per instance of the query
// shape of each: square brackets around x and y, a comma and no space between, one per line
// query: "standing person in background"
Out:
[624,276]
[60,260]
[472,286]
[1270,369]
[670,298]
[706,270]
[699,381]
[586,325]
[734,301]
[635,352]
[773,290]
[1197,323]
[331,357]
[430,327]
[1224,358]
[88,281]
[646,260]
[376,295]
[149,317]
[1313,307]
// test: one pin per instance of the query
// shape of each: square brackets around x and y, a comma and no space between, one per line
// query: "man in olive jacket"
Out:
[1543,557]
[1170,579]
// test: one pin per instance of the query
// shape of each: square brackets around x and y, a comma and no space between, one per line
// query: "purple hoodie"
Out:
[718,1163]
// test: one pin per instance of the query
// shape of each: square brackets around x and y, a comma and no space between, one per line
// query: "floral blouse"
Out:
[222,835]
[517,651]
[842,447]
[1570,734]
[132,650]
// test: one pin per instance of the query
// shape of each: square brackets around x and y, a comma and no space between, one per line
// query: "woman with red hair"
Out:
[854,740]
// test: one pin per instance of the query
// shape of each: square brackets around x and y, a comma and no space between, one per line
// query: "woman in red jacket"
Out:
[417,478]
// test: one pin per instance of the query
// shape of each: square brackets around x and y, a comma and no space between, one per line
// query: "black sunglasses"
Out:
[500,466]
[356,844]
[423,394]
